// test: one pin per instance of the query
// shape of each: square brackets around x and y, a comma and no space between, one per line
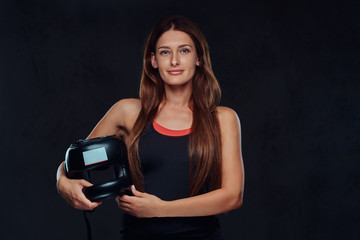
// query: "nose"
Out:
[174,60]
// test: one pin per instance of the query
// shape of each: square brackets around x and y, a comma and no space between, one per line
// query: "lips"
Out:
[175,72]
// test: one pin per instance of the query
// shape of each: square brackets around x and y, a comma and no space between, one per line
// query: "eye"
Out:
[164,52]
[185,50]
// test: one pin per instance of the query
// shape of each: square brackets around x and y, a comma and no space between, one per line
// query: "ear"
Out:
[153,61]
[197,62]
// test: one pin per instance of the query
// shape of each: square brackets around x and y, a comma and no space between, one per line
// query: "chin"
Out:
[177,82]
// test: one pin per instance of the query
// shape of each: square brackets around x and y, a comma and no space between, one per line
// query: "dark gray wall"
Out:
[289,68]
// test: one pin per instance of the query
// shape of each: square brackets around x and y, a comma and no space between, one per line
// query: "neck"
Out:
[178,96]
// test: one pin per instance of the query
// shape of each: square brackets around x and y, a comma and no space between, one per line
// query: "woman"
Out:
[184,149]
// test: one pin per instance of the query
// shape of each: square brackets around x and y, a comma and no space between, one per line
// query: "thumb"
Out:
[136,192]
[85,183]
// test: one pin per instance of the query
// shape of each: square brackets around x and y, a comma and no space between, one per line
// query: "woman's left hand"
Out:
[141,205]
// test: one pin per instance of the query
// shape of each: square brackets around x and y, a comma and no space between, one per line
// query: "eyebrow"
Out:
[183,45]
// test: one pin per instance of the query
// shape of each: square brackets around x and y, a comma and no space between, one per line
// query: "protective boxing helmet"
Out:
[99,154]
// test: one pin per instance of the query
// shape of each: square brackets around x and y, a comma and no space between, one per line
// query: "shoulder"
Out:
[119,119]
[227,115]
[228,120]
[128,106]
[125,112]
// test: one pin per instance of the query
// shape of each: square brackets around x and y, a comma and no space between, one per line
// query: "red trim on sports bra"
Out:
[170,132]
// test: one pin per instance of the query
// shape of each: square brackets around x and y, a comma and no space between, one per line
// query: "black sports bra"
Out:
[164,158]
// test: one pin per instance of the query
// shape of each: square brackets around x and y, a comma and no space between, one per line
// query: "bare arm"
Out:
[121,115]
[227,198]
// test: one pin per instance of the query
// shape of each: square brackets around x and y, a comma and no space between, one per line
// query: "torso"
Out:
[165,165]
[164,159]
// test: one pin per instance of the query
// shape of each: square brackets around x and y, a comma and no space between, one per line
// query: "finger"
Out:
[125,205]
[94,205]
[83,203]
[126,208]
[120,201]
[85,183]
[136,192]
[125,198]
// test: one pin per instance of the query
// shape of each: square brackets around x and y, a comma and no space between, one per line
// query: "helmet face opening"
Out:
[102,174]
[103,162]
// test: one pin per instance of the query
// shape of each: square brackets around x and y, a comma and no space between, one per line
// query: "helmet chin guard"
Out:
[99,154]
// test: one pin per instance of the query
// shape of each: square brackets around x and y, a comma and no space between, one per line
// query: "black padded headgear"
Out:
[99,154]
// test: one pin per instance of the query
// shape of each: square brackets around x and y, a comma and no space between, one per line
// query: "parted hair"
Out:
[204,143]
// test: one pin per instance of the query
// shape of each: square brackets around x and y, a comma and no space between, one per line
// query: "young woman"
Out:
[184,149]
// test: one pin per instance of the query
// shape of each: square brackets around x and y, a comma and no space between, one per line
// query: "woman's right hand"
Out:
[71,191]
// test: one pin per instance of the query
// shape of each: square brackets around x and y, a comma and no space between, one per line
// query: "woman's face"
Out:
[175,58]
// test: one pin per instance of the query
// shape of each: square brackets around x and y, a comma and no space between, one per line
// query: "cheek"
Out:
[161,64]
[162,69]
[193,63]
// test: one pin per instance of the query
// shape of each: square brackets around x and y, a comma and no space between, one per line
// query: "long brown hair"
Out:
[205,139]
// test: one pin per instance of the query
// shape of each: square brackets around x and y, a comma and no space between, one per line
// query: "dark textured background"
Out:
[289,68]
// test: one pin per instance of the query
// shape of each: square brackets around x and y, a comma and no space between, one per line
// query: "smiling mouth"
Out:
[175,72]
